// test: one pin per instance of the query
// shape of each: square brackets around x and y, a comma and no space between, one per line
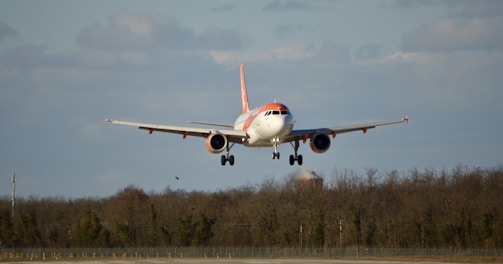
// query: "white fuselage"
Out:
[265,125]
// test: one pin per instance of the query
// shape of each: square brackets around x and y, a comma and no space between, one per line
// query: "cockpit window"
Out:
[276,112]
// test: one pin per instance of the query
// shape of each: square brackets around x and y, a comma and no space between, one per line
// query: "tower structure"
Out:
[13,198]
[309,180]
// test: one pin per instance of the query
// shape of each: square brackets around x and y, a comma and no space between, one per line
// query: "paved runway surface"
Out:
[240,261]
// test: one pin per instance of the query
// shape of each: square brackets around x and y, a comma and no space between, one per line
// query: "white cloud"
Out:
[369,51]
[101,58]
[286,53]
[224,7]
[292,5]
[449,34]
[136,24]
[129,30]
[481,8]
[283,31]
[6,31]
[441,80]
[398,57]
[296,52]
[110,176]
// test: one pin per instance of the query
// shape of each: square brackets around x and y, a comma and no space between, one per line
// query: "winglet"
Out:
[406,118]
[244,95]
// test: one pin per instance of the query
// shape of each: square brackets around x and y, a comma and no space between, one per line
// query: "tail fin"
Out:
[244,95]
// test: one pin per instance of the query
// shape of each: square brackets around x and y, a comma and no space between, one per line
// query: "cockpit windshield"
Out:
[276,112]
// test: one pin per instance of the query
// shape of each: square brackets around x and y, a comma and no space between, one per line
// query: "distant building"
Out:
[309,179]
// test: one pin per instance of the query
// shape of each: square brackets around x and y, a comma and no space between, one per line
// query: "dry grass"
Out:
[447,259]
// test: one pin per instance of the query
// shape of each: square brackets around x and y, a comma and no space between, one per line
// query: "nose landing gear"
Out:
[275,143]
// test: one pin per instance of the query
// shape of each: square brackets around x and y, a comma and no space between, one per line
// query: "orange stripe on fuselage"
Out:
[258,111]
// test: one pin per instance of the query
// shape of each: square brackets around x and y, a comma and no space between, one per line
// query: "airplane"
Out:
[266,126]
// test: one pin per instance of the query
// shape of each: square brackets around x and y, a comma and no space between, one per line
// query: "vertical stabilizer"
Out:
[244,95]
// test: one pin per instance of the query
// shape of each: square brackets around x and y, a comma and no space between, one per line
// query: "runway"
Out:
[264,261]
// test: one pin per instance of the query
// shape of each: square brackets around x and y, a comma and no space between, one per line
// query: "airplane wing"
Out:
[235,136]
[211,124]
[304,134]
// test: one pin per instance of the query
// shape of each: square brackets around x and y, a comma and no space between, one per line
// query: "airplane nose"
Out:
[280,127]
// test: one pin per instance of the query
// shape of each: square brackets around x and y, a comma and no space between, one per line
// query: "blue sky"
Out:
[64,65]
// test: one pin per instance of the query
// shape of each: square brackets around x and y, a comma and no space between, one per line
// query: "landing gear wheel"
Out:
[227,157]
[224,160]
[275,155]
[293,159]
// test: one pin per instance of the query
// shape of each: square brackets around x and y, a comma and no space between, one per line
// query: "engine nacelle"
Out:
[216,142]
[319,143]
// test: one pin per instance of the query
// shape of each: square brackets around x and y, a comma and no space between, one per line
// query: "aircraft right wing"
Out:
[236,136]
[211,124]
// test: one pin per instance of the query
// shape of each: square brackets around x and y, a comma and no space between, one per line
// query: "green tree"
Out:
[318,235]
[90,232]
[268,228]
[154,227]
[6,229]
[130,217]
[202,232]
[487,228]
[371,232]
[357,222]
[159,236]
[185,230]
[27,230]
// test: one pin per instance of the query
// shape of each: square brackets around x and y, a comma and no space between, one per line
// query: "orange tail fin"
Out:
[244,95]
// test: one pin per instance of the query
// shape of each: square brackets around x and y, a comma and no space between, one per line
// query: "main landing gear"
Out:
[275,155]
[227,157]
[293,158]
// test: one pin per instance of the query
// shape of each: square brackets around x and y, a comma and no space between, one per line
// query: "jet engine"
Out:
[216,142]
[319,143]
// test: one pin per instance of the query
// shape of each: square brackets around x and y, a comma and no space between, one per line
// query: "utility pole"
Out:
[340,233]
[300,236]
[13,199]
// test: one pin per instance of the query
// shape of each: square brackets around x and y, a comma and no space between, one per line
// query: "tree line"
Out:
[460,208]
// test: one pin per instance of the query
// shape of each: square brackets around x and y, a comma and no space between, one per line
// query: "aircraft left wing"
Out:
[307,133]
[236,136]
